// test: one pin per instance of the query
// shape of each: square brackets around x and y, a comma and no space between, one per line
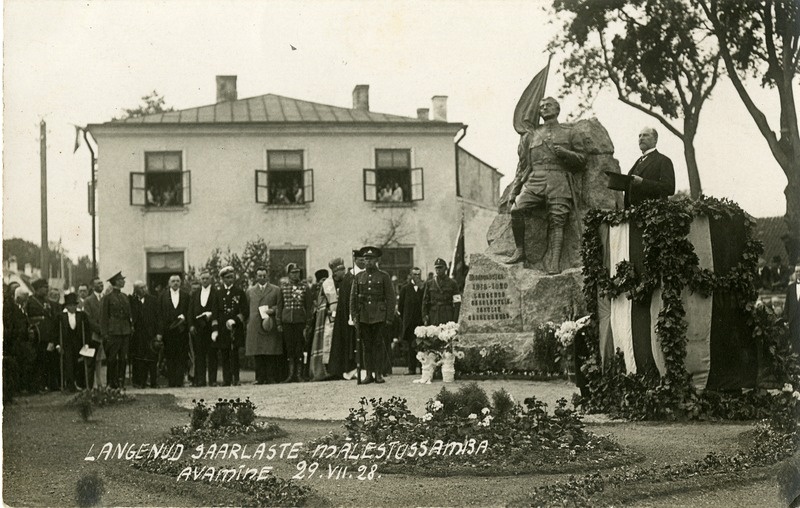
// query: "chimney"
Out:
[422,114]
[28,270]
[226,88]
[439,103]
[361,97]
[12,264]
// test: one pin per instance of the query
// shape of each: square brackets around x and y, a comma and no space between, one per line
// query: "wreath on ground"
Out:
[669,261]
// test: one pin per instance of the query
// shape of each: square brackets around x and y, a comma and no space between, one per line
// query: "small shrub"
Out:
[101,397]
[200,414]
[245,412]
[89,490]
[469,399]
[504,405]
[223,415]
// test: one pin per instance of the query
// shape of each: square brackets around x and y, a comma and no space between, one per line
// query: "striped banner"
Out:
[719,352]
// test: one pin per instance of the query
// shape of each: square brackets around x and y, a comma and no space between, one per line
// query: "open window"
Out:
[393,180]
[163,183]
[286,181]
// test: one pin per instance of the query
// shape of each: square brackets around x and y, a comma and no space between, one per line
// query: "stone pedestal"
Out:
[503,304]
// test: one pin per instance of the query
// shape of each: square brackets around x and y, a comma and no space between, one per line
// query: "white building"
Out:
[315,181]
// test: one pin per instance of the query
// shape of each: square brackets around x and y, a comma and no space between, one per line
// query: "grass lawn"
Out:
[45,442]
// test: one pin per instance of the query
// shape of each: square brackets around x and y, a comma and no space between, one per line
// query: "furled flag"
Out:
[526,114]
[458,266]
[78,131]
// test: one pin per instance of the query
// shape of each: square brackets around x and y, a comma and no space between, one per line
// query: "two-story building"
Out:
[313,180]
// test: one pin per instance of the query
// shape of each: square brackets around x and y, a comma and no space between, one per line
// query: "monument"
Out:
[508,291]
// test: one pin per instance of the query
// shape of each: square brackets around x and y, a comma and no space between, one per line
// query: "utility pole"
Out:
[45,261]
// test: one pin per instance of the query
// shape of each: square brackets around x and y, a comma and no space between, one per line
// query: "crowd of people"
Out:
[773,277]
[342,325]
[391,192]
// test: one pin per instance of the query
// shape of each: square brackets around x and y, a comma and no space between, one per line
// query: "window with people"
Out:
[163,183]
[393,180]
[286,181]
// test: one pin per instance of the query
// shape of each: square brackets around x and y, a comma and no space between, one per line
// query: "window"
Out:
[163,183]
[397,261]
[279,258]
[393,180]
[160,265]
[285,182]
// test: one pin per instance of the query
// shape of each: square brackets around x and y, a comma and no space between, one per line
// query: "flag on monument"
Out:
[526,114]
[458,266]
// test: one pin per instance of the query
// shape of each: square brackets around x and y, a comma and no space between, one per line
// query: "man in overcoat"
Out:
[263,341]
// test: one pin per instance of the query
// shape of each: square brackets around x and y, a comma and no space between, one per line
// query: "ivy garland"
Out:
[669,261]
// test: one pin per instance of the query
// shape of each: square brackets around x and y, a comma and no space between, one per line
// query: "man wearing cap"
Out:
[115,327]
[294,310]
[202,305]
[372,307]
[40,315]
[74,334]
[263,341]
[144,350]
[173,329]
[228,332]
[342,359]
[93,308]
[547,158]
[440,297]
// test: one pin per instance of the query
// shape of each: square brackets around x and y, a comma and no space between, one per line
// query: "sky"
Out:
[73,62]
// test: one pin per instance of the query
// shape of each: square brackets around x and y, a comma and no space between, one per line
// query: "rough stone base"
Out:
[503,304]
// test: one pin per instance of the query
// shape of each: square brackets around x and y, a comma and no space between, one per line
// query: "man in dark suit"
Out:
[93,308]
[791,310]
[227,333]
[144,350]
[40,314]
[74,334]
[173,329]
[410,308]
[201,314]
[653,175]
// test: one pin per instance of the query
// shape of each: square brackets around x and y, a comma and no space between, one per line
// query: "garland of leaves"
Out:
[669,261]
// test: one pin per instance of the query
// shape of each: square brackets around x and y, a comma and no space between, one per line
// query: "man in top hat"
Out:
[653,174]
[294,311]
[75,333]
[263,341]
[115,327]
[548,155]
[342,360]
[441,300]
[372,307]
[228,331]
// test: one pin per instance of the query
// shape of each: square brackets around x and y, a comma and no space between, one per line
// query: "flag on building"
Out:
[458,265]
[526,114]
[78,131]
[720,354]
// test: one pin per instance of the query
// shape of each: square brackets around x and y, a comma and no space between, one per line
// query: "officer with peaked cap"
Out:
[372,307]
[441,299]
[115,328]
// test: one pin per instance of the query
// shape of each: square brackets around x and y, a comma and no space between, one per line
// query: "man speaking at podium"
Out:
[652,176]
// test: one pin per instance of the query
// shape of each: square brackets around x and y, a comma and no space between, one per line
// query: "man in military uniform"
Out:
[228,330]
[441,300]
[372,308]
[547,159]
[295,302]
[115,327]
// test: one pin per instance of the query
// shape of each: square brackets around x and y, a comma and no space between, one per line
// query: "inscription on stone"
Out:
[489,297]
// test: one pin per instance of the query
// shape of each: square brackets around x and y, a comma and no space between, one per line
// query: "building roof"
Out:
[269,108]
[771,230]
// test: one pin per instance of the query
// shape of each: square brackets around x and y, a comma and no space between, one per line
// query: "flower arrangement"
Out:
[565,336]
[437,346]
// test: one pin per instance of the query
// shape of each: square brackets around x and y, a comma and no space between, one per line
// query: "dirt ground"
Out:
[44,445]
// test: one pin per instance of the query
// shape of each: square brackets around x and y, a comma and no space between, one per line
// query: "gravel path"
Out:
[331,400]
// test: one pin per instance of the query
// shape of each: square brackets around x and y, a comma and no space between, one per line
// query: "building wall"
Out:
[479,182]
[223,212]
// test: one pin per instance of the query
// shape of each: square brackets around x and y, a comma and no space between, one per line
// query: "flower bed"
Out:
[226,419]
[101,397]
[465,432]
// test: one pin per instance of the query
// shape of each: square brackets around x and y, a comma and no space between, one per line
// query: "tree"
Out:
[654,53]
[393,232]
[759,38]
[255,255]
[151,104]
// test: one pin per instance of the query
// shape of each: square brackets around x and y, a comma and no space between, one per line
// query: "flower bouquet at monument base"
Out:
[436,346]
[565,335]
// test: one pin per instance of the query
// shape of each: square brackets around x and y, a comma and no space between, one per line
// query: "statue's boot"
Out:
[556,240]
[518,229]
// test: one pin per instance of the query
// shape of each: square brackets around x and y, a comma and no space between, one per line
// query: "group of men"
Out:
[327,330]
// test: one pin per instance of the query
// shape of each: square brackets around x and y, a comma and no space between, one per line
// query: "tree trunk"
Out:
[689,132]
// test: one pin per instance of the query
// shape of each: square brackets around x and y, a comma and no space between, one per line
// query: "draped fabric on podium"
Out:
[719,353]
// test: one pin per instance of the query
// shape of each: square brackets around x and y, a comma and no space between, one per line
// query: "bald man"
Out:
[653,174]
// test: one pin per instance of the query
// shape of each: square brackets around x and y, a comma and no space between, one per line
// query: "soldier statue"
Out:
[547,160]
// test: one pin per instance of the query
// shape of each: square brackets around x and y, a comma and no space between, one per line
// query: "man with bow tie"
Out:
[75,333]
[653,174]
[173,328]
[791,309]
